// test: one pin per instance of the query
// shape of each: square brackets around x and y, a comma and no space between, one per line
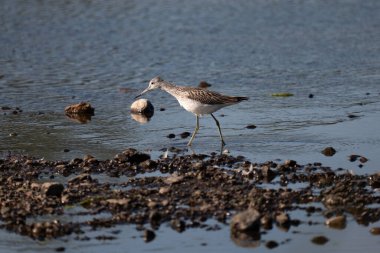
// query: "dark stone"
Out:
[338,222]
[178,225]
[66,150]
[375,230]
[60,249]
[363,159]
[319,240]
[329,151]
[271,244]
[353,158]
[311,95]
[185,135]
[171,136]
[204,84]
[250,127]
[149,235]
[52,189]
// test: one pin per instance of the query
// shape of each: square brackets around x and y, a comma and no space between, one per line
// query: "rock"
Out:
[149,235]
[174,179]
[204,84]
[290,163]
[250,127]
[283,220]
[319,240]
[184,135]
[282,94]
[352,116]
[132,156]
[329,151]
[142,106]
[155,219]
[363,159]
[52,189]
[311,95]
[266,222]
[353,158]
[178,225]
[375,230]
[271,244]
[81,108]
[268,173]
[248,220]
[338,222]
[80,179]
[119,202]
[171,136]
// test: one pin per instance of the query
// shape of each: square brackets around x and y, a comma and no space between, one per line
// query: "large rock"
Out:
[143,106]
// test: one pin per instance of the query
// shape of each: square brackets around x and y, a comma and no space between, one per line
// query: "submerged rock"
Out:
[329,151]
[204,85]
[81,108]
[319,240]
[338,222]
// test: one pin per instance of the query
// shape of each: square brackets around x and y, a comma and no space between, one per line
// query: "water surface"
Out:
[56,53]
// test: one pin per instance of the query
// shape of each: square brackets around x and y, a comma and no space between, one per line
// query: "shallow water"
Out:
[56,53]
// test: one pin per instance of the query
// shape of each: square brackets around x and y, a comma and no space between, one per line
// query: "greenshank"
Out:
[196,100]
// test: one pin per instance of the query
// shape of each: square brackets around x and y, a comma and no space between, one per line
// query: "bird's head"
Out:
[155,83]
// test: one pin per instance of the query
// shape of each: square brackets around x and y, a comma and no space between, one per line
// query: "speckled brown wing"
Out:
[211,97]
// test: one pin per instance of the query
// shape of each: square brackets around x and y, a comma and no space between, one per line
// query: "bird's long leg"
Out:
[195,131]
[220,131]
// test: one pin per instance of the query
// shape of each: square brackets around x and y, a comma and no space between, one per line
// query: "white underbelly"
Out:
[197,107]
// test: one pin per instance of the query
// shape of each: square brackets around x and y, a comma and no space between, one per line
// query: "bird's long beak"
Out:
[144,91]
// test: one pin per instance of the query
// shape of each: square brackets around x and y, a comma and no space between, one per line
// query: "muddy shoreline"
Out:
[184,191]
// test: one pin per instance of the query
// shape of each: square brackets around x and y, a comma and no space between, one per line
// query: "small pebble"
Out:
[60,249]
[311,95]
[351,116]
[162,109]
[149,235]
[363,159]
[329,151]
[204,85]
[271,244]
[185,135]
[320,240]
[250,127]
[375,231]
[353,158]
[171,136]
[66,150]
[338,222]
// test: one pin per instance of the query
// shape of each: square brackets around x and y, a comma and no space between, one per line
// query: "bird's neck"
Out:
[170,88]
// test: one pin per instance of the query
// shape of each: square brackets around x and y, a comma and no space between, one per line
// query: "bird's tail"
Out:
[239,99]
